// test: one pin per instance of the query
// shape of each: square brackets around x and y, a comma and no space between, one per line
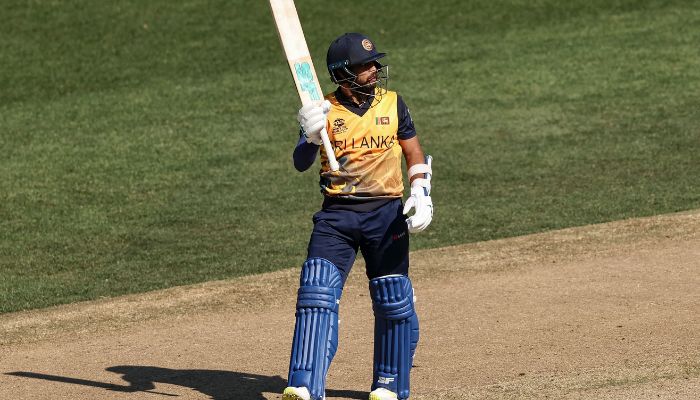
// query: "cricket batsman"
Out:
[370,128]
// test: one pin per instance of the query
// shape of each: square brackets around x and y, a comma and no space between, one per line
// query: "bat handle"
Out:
[429,161]
[330,153]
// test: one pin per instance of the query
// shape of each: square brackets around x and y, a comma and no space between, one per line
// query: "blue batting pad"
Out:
[415,335]
[395,333]
[316,330]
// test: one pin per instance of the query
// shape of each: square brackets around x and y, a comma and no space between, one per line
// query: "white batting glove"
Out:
[422,203]
[420,199]
[312,119]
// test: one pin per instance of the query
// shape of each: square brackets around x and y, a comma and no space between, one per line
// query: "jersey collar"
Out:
[350,105]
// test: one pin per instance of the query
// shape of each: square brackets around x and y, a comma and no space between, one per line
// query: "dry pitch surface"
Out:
[607,311]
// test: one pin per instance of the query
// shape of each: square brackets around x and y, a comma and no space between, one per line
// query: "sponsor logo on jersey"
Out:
[373,142]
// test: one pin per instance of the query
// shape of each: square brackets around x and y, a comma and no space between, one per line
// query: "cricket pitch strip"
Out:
[607,311]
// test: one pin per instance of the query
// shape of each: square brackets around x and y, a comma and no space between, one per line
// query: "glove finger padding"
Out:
[312,119]
[313,108]
[410,203]
[423,212]
[304,112]
[315,123]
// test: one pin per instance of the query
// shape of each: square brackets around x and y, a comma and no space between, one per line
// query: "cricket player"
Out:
[370,128]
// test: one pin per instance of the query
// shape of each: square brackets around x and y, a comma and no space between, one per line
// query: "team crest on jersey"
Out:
[339,126]
[367,45]
[382,121]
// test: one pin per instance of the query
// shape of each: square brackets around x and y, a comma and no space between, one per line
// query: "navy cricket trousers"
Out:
[381,235]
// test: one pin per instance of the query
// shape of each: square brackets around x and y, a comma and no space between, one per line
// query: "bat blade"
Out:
[299,58]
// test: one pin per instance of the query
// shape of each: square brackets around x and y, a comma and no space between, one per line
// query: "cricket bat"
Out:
[299,58]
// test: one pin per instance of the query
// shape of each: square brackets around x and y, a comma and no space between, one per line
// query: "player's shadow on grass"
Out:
[220,385]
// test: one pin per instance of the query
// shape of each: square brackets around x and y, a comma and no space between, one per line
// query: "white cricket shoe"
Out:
[296,393]
[382,394]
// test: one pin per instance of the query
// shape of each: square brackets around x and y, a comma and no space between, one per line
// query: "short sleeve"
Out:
[406,128]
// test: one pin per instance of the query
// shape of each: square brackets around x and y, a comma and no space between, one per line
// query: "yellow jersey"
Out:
[367,149]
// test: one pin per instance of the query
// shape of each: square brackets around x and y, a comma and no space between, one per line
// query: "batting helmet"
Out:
[349,50]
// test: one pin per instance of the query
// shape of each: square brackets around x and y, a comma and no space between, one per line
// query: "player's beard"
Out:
[366,92]
[374,91]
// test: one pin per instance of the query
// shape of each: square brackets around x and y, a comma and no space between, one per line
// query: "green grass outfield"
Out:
[147,144]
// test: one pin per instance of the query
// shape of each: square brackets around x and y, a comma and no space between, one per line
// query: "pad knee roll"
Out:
[316,328]
[395,333]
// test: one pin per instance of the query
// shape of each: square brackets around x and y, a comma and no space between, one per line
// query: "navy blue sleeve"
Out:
[304,154]
[406,128]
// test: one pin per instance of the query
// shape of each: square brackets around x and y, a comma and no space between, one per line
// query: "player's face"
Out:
[366,74]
